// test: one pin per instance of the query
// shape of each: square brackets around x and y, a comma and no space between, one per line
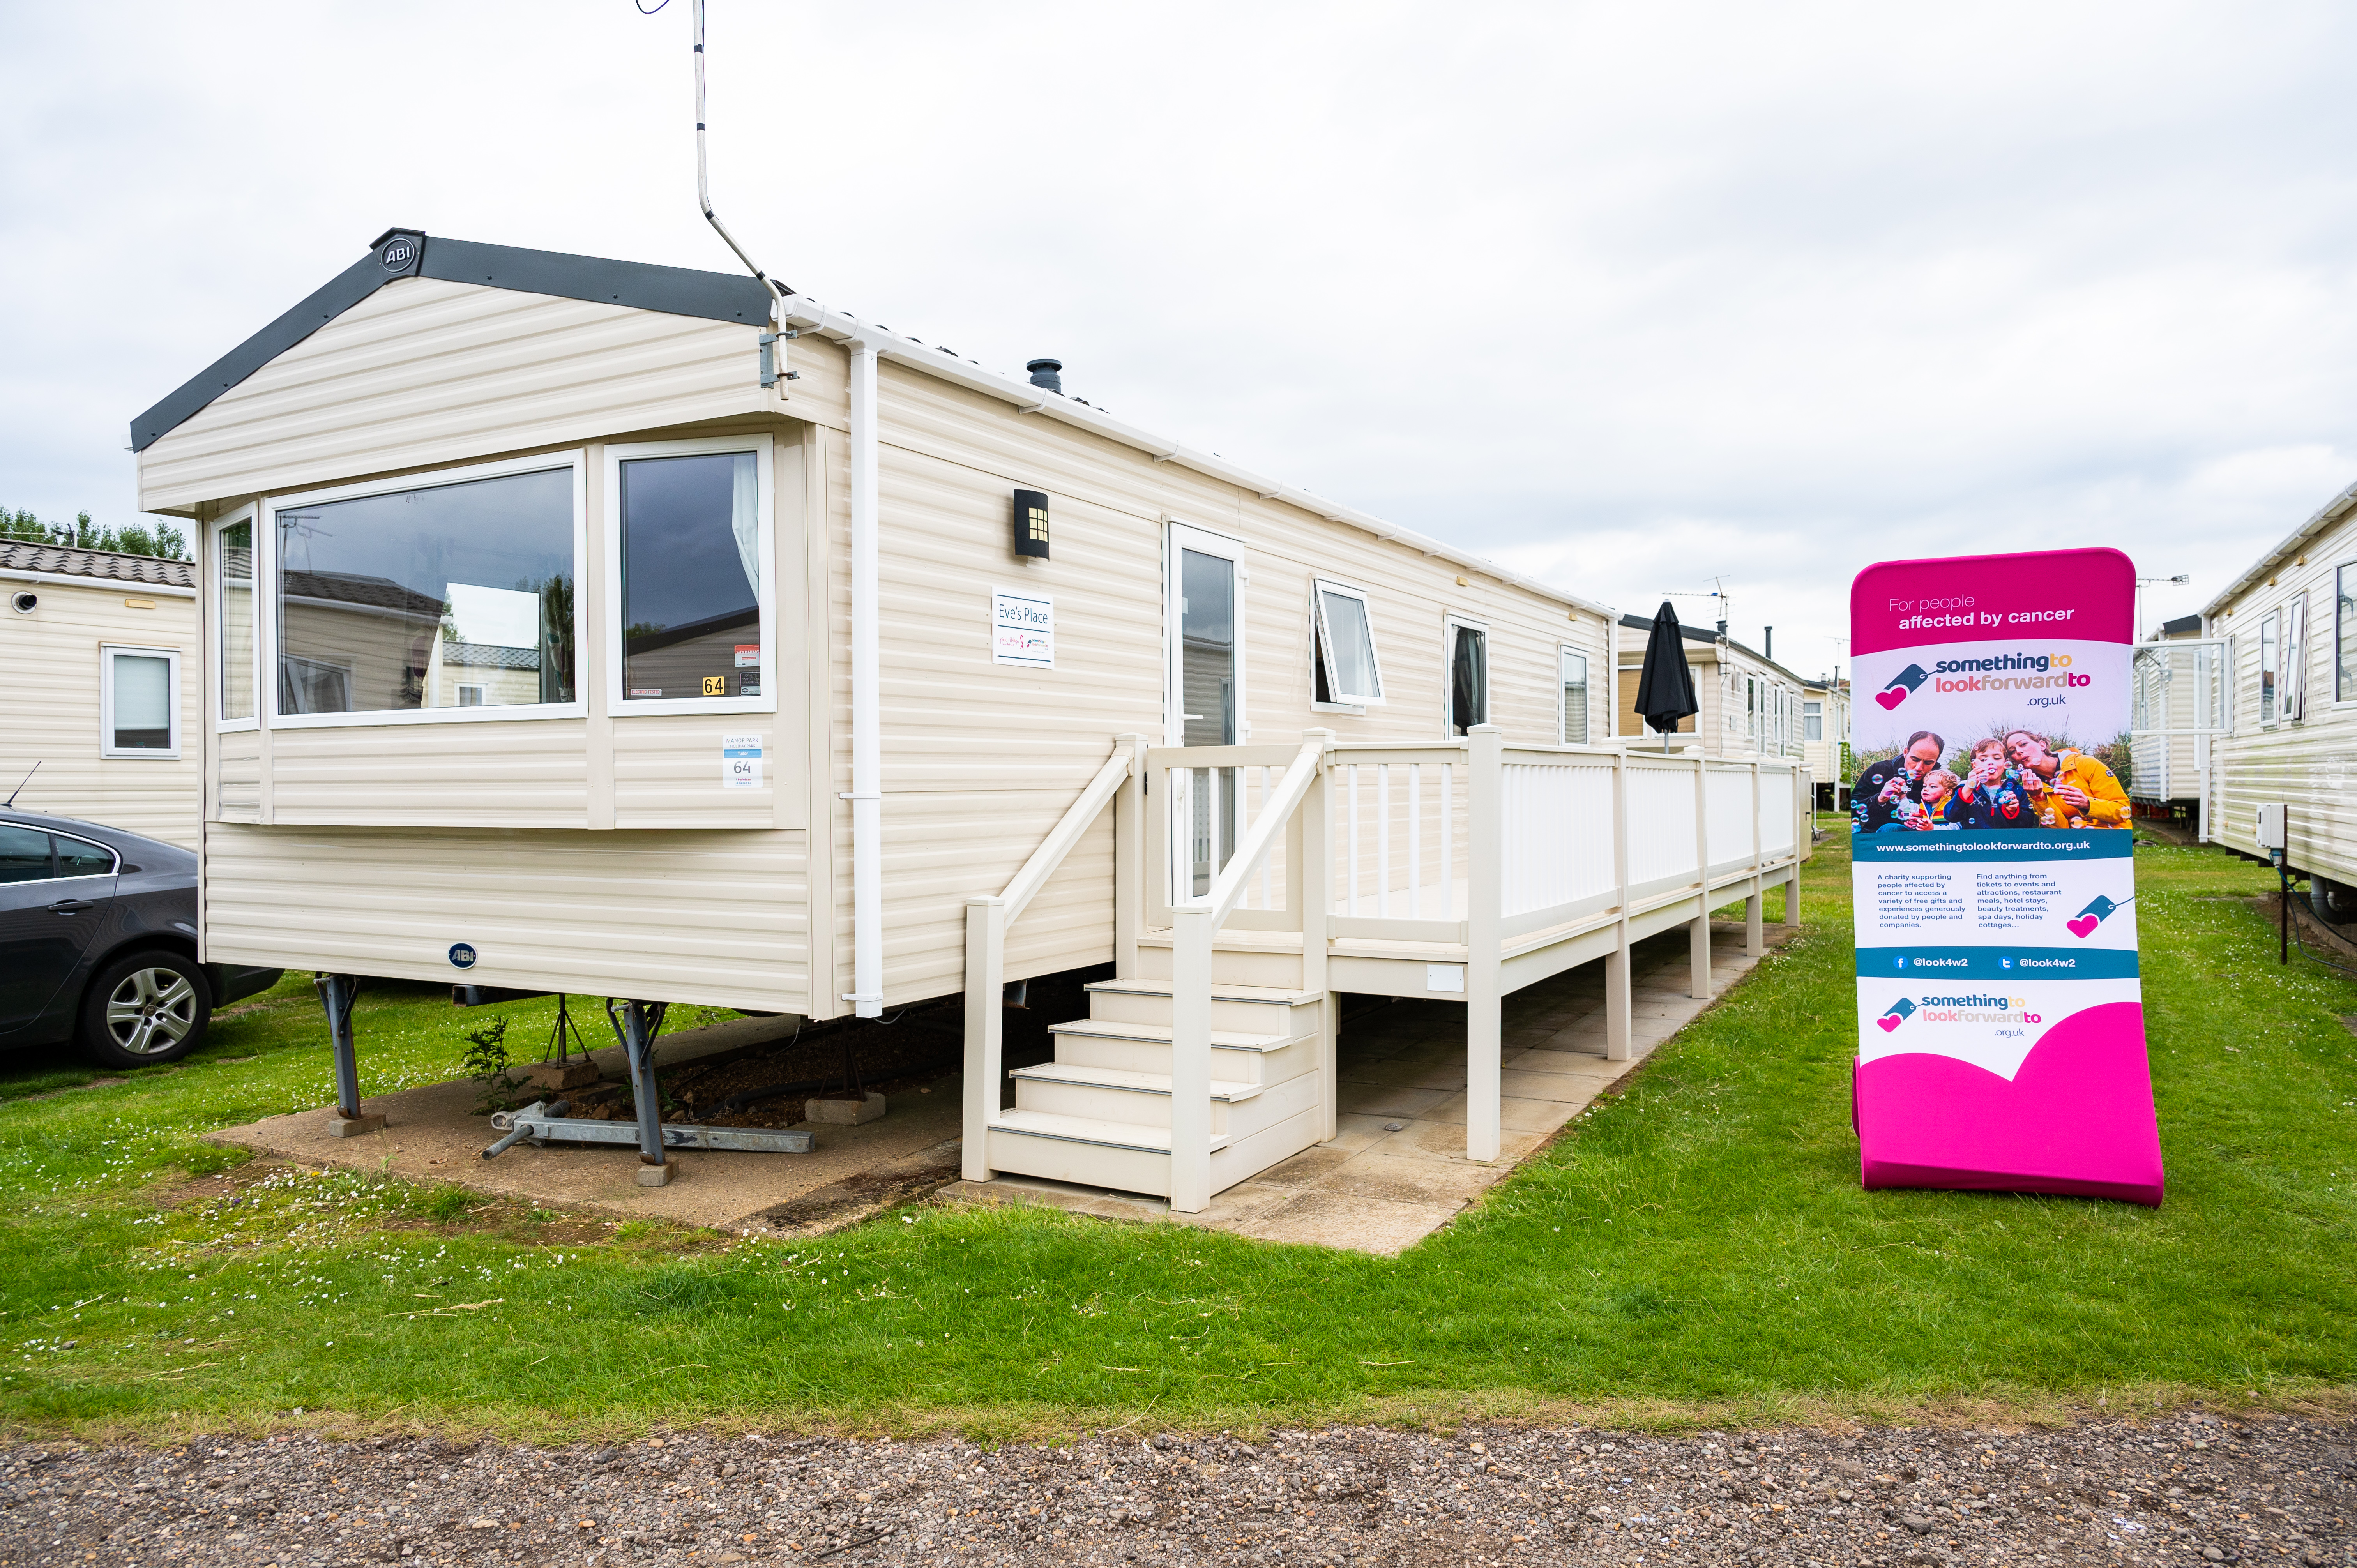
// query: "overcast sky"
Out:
[1633,298]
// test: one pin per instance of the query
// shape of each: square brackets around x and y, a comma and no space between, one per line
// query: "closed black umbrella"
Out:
[1665,688]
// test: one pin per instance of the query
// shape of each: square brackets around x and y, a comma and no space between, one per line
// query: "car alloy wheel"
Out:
[151,1011]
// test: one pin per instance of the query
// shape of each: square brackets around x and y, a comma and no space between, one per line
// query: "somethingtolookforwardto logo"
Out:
[1901,685]
[1899,1011]
[2084,922]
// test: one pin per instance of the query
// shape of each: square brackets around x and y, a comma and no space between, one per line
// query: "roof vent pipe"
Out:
[1044,374]
[1768,644]
[772,356]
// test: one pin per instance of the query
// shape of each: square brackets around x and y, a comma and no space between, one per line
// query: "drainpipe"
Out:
[867,995]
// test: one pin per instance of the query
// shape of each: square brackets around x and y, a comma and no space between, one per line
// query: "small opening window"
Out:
[1575,698]
[1468,677]
[1812,721]
[2291,691]
[233,612]
[1346,670]
[691,543]
[2267,669]
[141,699]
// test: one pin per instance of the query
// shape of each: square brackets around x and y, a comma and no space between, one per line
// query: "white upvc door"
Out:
[1204,663]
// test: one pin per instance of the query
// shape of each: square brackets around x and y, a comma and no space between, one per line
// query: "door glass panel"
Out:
[24,854]
[234,559]
[1207,645]
[143,702]
[691,577]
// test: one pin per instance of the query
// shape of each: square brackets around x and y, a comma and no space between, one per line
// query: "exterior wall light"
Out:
[1031,523]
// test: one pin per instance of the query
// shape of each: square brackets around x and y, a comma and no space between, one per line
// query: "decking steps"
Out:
[1089,1129]
[1159,1034]
[1125,1082]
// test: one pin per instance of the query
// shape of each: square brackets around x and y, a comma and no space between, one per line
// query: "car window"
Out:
[24,854]
[78,858]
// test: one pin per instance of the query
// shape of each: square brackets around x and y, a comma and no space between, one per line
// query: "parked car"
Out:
[98,944]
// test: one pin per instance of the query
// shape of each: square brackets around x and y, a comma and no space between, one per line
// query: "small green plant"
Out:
[487,1059]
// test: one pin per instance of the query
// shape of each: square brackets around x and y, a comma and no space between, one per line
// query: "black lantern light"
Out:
[1031,523]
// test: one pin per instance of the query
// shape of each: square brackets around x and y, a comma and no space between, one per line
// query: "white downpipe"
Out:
[866,994]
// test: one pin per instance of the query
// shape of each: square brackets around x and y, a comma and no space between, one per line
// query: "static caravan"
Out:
[101,690]
[2177,696]
[619,634]
[2287,630]
[1824,728]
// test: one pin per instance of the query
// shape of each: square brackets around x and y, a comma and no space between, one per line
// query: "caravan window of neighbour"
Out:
[1575,698]
[389,602]
[1468,677]
[233,612]
[2344,634]
[2267,671]
[1347,672]
[140,698]
[692,543]
[1812,721]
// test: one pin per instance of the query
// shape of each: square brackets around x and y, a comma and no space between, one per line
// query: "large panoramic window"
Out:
[691,542]
[234,618]
[444,596]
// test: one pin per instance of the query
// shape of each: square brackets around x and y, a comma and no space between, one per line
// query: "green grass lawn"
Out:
[1697,1249]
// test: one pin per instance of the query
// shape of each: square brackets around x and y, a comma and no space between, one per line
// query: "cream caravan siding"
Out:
[980,759]
[49,707]
[715,917]
[423,372]
[522,773]
[2310,765]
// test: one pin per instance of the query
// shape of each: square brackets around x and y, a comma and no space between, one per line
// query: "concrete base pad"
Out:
[578,1073]
[845,1112]
[656,1175]
[353,1126]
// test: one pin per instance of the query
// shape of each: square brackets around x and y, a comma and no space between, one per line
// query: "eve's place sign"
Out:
[1022,628]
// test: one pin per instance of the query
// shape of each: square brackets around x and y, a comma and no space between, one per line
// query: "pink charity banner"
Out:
[2000,1009]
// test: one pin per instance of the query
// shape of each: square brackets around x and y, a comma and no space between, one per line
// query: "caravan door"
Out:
[1205,664]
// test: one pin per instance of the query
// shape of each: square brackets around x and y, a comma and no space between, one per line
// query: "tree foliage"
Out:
[161,540]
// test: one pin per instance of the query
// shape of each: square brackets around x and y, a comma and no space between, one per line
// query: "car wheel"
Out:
[146,1008]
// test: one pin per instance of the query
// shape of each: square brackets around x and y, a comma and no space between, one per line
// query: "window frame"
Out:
[1818,704]
[1322,648]
[265,544]
[2344,674]
[1450,622]
[1563,650]
[106,747]
[2291,685]
[765,508]
[217,612]
[2270,684]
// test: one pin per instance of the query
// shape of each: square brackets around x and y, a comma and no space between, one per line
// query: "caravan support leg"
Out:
[636,1025]
[1792,896]
[1755,905]
[337,994]
[1699,954]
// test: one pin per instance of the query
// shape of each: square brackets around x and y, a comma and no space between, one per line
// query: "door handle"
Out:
[71,905]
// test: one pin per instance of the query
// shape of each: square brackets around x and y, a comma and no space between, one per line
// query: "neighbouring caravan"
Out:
[101,693]
[1750,705]
[618,635]
[2177,702]
[1825,732]
[2287,631]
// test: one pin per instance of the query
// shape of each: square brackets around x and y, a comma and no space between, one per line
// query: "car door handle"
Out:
[72,906]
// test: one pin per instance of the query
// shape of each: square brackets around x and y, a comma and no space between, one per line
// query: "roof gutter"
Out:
[808,315]
[2328,513]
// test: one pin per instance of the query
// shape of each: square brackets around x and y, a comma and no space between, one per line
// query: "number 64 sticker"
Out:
[740,761]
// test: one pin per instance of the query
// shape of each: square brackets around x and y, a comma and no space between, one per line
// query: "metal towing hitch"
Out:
[541,1121]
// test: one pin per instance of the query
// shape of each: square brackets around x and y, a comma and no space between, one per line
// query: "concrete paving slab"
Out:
[1353,1222]
[1378,1099]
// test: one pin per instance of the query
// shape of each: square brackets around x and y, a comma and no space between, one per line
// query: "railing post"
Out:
[1129,858]
[1485,756]
[986,989]
[1698,934]
[1190,1057]
[1309,862]
[1616,962]
[1755,938]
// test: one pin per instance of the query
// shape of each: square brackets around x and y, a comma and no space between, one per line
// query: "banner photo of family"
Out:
[2000,1012]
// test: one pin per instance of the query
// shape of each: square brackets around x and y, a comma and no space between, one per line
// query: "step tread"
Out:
[1159,1034]
[1279,995]
[1122,1079]
[1231,939]
[1090,1130]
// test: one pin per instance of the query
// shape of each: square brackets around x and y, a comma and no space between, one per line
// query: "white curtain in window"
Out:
[745,519]
[143,694]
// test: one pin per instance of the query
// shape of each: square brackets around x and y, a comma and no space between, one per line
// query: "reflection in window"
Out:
[79,857]
[139,700]
[1575,698]
[1346,648]
[392,602]
[691,577]
[2267,671]
[24,854]
[233,571]
[1469,679]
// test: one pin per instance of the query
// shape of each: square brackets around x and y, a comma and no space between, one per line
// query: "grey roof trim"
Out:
[97,565]
[675,291]
[1696,634]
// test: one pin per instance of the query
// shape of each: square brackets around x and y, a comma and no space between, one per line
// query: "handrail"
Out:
[1076,821]
[1227,889]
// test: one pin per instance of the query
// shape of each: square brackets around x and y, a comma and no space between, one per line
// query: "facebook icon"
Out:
[1900,962]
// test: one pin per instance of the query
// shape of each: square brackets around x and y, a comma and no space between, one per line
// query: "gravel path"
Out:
[2188,1488]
